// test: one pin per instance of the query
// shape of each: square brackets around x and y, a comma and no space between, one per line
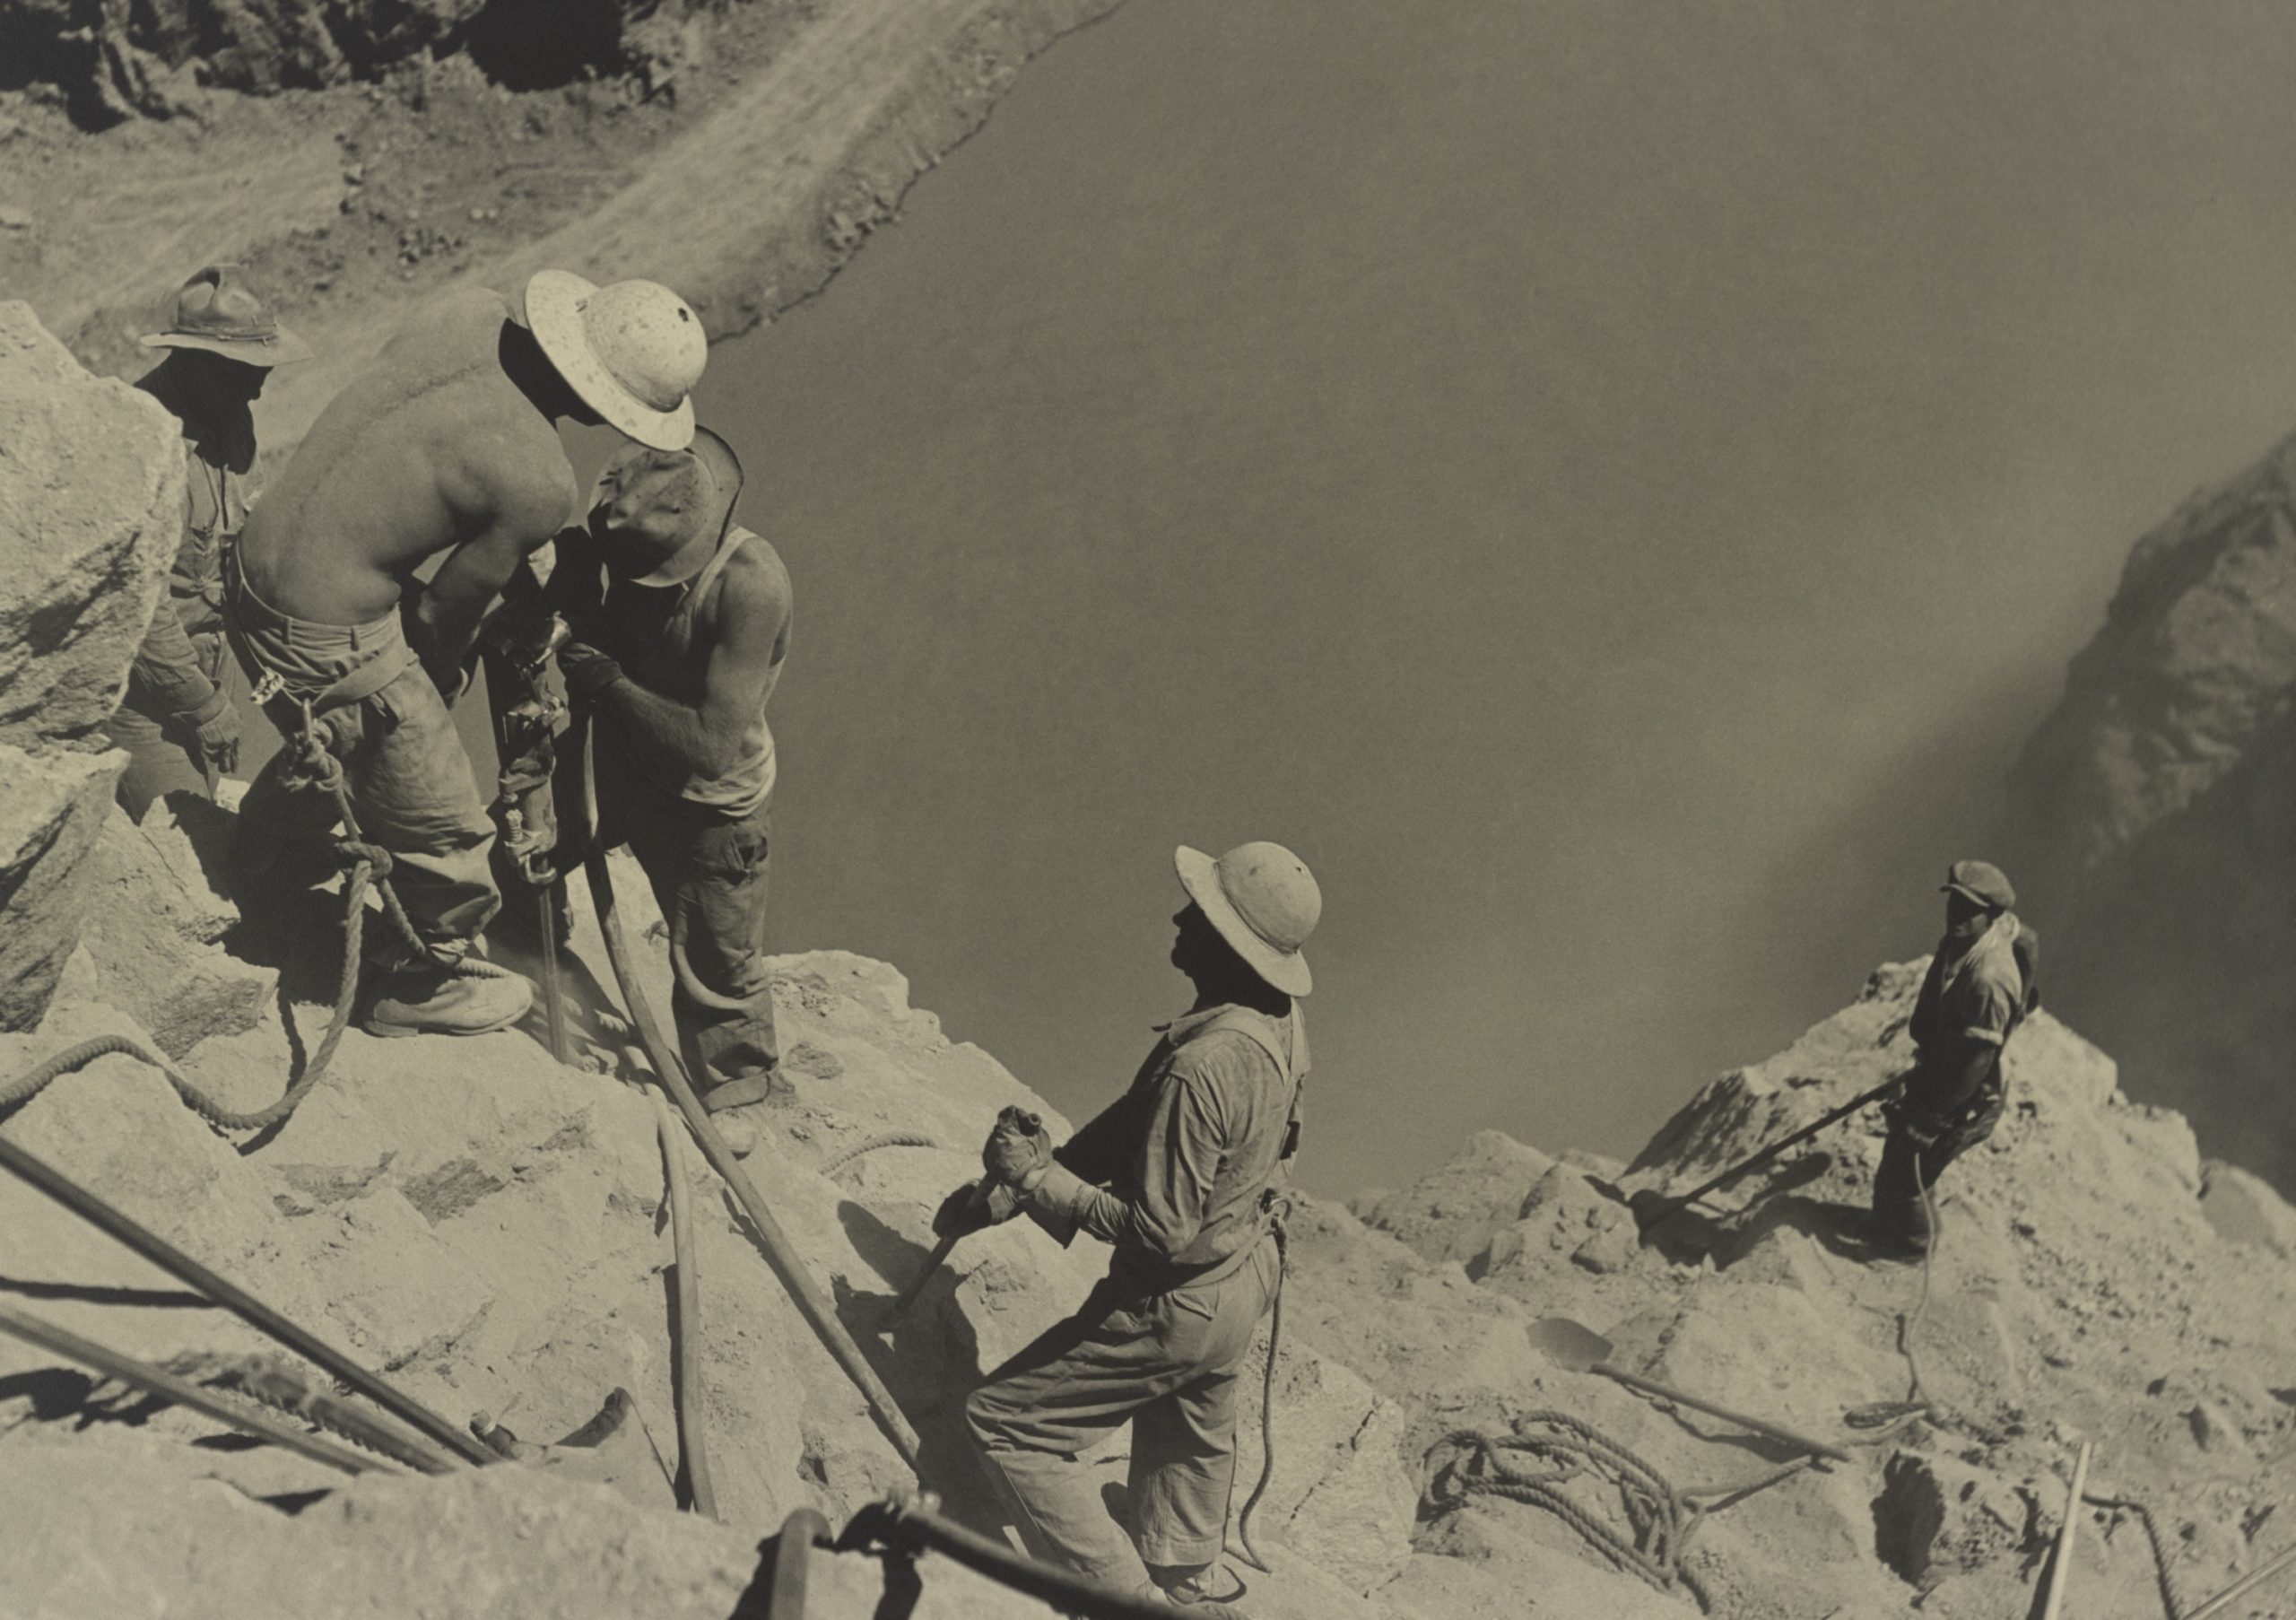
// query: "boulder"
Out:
[90,504]
[2245,1208]
[53,808]
[92,482]
[154,931]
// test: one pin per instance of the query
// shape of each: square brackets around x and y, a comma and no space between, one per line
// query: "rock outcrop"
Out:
[121,58]
[92,478]
[487,1227]
[2153,813]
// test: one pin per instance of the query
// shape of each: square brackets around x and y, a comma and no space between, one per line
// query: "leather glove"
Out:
[968,1210]
[588,671]
[219,741]
[1019,1150]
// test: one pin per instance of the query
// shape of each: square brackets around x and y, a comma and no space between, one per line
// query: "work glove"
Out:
[971,1209]
[588,671]
[219,740]
[1019,1149]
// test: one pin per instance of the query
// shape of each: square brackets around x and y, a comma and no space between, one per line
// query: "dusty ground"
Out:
[488,1227]
[742,176]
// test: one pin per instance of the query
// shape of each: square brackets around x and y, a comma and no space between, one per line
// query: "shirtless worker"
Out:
[680,619]
[1979,988]
[446,451]
[1180,1175]
[176,719]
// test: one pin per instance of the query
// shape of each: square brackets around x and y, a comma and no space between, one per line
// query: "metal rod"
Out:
[151,1381]
[1675,1206]
[693,1437]
[2246,1583]
[913,1528]
[235,1299]
[780,1252]
[1635,1380]
[2060,1567]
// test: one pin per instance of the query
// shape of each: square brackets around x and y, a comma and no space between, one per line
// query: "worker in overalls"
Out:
[1181,1175]
[680,621]
[176,719]
[1980,986]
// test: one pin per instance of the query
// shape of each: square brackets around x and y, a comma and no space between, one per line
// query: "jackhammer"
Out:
[528,718]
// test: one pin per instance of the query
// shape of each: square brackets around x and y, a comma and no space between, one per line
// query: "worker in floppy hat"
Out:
[176,720]
[445,451]
[1980,987]
[1180,1174]
[680,619]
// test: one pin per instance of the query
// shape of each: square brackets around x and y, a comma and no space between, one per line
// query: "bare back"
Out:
[431,450]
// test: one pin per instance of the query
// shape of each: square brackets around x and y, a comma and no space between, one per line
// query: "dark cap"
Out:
[1982,882]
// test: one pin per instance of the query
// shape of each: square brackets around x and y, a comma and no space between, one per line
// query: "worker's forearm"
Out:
[167,668]
[1067,1204]
[663,731]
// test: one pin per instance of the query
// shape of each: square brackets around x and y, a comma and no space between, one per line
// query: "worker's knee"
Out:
[988,1419]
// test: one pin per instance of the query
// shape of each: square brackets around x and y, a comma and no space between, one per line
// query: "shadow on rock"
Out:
[928,1357]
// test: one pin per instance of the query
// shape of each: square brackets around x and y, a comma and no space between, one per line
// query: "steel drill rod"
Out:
[2247,1584]
[1760,1426]
[693,1438]
[780,1252]
[151,1381]
[1675,1206]
[2060,1568]
[235,1299]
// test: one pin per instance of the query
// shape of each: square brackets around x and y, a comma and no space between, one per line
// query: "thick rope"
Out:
[2170,1603]
[1662,1518]
[900,1138]
[1886,1419]
[366,865]
[1244,1548]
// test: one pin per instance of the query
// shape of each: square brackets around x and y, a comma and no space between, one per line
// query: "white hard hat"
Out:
[1264,902]
[632,350]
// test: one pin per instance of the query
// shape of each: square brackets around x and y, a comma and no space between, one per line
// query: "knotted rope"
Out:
[1662,1518]
[365,865]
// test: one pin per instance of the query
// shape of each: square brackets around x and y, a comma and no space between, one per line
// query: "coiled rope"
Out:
[365,865]
[1474,1463]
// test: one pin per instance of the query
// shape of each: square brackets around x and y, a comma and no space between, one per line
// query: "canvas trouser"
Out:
[163,754]
[1900,1213]
[709,876]
[1166,1362]
[403,762]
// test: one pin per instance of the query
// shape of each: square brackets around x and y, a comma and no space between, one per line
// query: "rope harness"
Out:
[1279,1214]
[365,865]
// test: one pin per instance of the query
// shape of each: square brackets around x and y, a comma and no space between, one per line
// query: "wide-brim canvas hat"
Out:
[631,350]
[217,311]
[1263,901]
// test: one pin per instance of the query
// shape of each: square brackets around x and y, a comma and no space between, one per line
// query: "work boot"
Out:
[1190,1591]
[735,1106]
[436,1001]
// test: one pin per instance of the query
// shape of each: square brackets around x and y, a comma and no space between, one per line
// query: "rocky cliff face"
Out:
[90,511]
[2155,816]
[488,1227]
[114,59]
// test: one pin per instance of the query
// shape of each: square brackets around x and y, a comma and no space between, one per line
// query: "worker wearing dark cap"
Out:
[1980,987]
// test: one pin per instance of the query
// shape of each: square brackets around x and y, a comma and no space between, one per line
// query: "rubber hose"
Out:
[693,1443]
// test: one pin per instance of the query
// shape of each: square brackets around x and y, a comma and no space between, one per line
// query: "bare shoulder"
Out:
[756,581]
